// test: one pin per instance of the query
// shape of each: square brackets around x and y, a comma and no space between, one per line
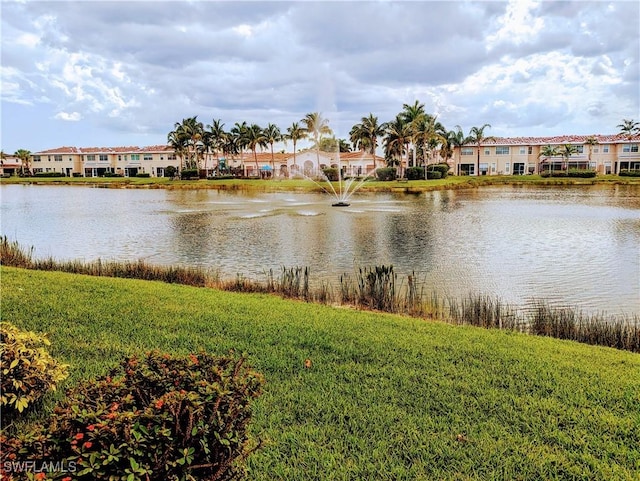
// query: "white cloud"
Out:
[525,67]
[68,116]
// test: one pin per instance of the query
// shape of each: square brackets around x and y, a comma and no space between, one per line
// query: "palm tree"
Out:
[316,126]
[272,134]
[25,157]
[456,138]
[295,133]
[591,141]
[364,136]
[187,137]
[239,134]
[548,152]
[476,136]
[629,127]
[428,133]
[397,139]
[215,138]
[567,150]
[413,115]
[255,138]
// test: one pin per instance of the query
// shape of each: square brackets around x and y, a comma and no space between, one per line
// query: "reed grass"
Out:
[370,288]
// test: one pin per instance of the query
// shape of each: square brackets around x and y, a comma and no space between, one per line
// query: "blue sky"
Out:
[92,73]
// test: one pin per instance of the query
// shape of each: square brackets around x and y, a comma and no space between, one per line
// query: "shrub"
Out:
[28,370]
[170,171]
[386,173]
[112,174]
[49,174]
[143,174]
[442,168]
[554,173]
[332,174]
[585,174]
[434,174]
[157,418]
[630,173]
[415,173]
[187,174]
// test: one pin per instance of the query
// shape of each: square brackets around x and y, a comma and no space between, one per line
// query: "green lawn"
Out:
[387,397]
[451,182]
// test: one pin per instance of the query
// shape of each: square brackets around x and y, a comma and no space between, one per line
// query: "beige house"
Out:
[607,154]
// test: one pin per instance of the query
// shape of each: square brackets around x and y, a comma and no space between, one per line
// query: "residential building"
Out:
[606,154]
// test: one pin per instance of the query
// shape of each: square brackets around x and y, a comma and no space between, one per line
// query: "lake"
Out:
[574,246]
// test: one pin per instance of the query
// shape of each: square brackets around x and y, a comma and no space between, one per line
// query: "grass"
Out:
[387,397]
[275,185]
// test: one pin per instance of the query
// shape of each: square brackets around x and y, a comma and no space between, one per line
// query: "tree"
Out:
[295,133]
[25,158]
[629,127]
[215,138]
[186,137]
[413,115]
[239,139]
[364,135]
[255,138]
[591,141]
[456,138]
[428,134]
[397,139]
[548,152]
[272,134]
[476,136]
[316,126]
[567,150]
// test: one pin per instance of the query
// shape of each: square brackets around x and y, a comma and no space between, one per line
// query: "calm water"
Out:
[575,246]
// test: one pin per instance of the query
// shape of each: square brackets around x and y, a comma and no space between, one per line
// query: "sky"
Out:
[121,73]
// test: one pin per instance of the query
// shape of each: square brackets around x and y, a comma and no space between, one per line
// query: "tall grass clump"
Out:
[13,255]
[571,324]
[377,288]
[482,311]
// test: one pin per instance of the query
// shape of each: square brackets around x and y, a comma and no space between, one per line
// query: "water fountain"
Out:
[345,188]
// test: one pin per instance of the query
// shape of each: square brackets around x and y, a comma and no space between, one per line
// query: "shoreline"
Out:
[298,185]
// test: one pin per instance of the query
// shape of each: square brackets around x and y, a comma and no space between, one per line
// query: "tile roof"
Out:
[561,139]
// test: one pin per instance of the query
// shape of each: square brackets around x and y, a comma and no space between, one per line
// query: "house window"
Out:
[119,158]
[148,157]
[493,167]
[502,150]
[580,149]
[36,158]
[103,157]
[507,167]
[487,151]
[171,157]
[530,150]
[466,151]
[91,158]
[630,148]
[596,150]
[57,158]
[605,149]
[522,150]
[135,156]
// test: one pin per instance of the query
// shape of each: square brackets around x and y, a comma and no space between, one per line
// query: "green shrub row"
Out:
[580,173]
[187,174]
[434,171]
[49,174]
[630,173]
